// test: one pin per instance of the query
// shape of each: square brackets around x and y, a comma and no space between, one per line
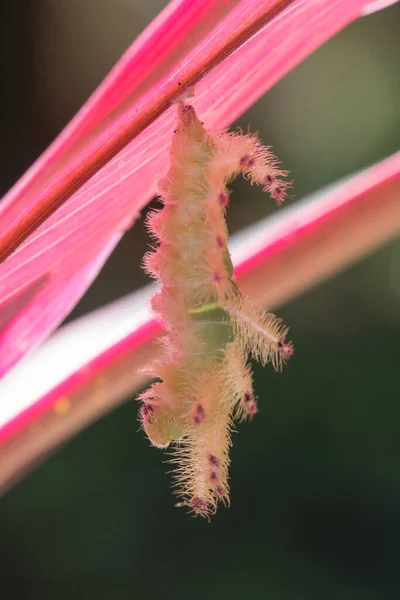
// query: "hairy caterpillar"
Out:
[205,382]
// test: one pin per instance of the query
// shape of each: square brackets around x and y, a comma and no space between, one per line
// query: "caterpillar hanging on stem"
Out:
[204,380]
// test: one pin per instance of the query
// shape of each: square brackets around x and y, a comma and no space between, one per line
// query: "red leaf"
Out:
[98,356]
[66,214]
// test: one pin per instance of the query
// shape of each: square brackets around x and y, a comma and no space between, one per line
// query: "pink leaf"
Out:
[98,356]
[62,219]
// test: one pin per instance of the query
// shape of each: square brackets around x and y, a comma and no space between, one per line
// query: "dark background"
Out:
[316,476]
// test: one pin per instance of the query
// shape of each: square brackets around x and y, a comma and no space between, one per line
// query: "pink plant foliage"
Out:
[62,219]
[98,356]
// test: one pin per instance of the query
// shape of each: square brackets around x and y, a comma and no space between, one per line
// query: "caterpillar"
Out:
[204,382]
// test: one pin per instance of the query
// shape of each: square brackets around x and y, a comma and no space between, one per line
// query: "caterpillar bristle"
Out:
[261,332]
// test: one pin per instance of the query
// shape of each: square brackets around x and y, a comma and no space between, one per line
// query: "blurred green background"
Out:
[316,476]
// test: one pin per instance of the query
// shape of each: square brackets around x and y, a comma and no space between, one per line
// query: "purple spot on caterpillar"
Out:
[147,409]
[252,409]
[285,350]
[277,193]
[147,412]
[213,460]
[199,504]
[250,405]
[199,415]
[217,277]
[213,477]
[247,161]
[220,241]
[223,199]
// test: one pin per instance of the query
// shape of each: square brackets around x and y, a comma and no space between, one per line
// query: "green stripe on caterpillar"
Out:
[210,329]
